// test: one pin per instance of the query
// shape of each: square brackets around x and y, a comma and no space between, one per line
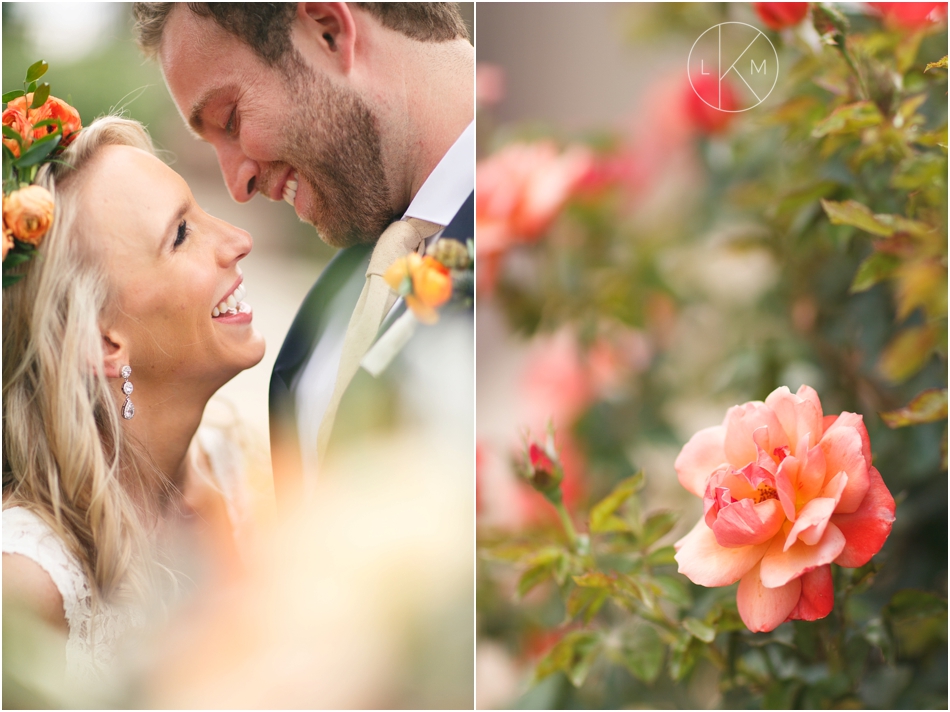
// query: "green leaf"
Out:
[926,407]
[602,517]
[939,64]
[9,279]
[32,88]
[642,653]
[907,353]
[36,70]
[11,95]
[673,589]
[849,118]
[876,268]
[662,556]
[10,132]
[682,657]
[533,577]
[591,599]
[512,553]
[594,579]
[40,95]
[699,630]
[851,212]
[657,526]
[16,258]
[573,655]
[781,694]
[39,151]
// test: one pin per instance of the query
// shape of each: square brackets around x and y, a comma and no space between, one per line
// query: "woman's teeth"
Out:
[233,304]
[290,188]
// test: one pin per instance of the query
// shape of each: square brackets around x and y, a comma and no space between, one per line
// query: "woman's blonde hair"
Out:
[65,456]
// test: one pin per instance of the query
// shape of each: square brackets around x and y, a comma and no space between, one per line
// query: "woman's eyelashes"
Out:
[182,233]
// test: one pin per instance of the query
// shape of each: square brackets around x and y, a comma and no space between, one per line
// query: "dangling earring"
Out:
[128,410]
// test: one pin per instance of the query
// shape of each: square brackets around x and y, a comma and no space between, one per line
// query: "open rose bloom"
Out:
[786,492]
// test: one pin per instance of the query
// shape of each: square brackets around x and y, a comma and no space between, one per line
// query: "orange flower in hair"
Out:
[57,109]
[28,213]
[17,120]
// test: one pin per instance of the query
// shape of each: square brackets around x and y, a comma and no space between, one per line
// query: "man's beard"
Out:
[335,146]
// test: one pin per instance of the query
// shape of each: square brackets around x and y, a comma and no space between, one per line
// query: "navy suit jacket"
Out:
[305,332]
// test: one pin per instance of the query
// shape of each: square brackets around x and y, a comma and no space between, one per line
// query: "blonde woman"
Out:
[113,343]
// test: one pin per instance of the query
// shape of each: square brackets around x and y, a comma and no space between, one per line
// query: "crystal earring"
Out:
[128,410]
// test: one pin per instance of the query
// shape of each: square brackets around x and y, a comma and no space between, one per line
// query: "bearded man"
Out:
[358,115]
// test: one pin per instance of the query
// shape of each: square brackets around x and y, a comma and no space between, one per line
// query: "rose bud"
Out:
[543,470]
[28,213]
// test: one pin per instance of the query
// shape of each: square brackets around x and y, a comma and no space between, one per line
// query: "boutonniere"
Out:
[444,274]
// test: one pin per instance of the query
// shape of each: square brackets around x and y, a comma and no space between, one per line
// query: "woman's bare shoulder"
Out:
[26,583]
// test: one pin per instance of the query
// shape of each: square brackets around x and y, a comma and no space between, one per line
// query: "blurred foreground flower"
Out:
[785,492]
[489,84]
[779,15]
[522,188]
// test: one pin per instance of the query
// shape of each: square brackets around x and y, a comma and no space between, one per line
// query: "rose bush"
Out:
[786,491]
[27,213]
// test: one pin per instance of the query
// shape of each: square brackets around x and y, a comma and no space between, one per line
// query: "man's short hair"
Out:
[265,26]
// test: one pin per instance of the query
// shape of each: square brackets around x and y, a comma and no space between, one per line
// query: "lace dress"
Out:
[91,645]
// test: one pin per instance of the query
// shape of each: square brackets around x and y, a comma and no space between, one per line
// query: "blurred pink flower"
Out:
[702,96]
[779,15]
[612,358]
[489,84]
[910,15]
[521,189]
[556,383]
[786,492]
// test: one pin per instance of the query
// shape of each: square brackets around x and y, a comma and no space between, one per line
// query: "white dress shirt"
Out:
[438,200]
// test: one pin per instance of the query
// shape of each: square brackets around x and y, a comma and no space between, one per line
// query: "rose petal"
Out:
[780,566]
[703,561]
[799,416]
[699,458]
[746,523]
[811,476]
[811,523]
[851,420]
[818,596]
[741,422]
[786,474]
[763,609]
[866,529]
[843,453]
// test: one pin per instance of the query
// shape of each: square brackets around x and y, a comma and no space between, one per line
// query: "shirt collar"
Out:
[449,184]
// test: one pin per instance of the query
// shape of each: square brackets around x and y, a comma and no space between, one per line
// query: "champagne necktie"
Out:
[376,299]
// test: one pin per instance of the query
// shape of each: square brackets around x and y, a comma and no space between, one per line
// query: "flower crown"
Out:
[36,129]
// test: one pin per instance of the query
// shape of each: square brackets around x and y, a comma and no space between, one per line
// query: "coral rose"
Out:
[779,15]
[786,492]
[28,212]
[57,109]
[424,282]
[7,242]
[521,189]
[18,121]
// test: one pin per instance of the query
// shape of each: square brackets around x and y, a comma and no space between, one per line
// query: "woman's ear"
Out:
[329,32]
[115,354]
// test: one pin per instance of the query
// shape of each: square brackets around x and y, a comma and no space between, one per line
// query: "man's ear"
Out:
[330,30]
[115,354]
